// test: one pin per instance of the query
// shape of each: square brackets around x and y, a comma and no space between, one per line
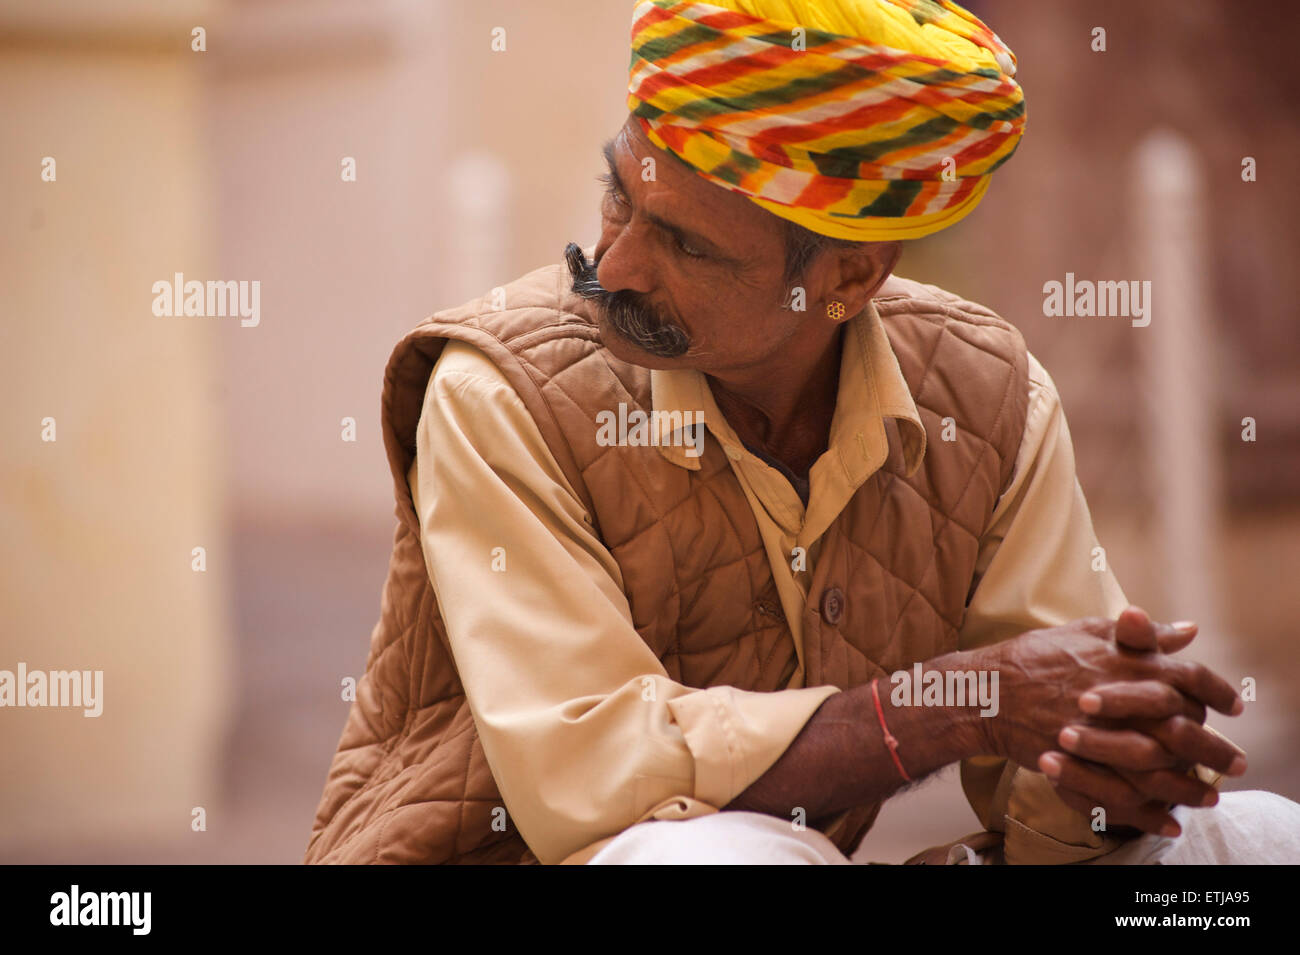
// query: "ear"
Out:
[862,270]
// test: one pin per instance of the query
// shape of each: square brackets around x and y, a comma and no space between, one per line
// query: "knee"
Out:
[1250,826]
[722,838]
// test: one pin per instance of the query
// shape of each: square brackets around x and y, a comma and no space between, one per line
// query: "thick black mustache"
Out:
[626,311]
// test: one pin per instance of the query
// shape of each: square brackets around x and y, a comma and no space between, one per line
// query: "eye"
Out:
[611,190]
[612,196]
[689,250]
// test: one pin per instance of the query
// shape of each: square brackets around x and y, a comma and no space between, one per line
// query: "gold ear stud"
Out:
[835,311]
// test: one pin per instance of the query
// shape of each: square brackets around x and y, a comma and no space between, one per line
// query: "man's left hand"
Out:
[1137,742]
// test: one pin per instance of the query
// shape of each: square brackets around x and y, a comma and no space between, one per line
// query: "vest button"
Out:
[833,605]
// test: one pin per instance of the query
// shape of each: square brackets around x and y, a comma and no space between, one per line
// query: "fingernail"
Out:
[1170,829]
[1050,764]
[1069,737]
[1184,626]
[1210,799]
[1238,766]
[1090,703]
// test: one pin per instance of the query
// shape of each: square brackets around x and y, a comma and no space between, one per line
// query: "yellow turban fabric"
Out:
[871,120]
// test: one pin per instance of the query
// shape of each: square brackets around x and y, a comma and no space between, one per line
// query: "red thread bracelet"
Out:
[890,740]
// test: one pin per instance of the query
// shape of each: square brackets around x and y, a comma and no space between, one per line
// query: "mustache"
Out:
[627,312]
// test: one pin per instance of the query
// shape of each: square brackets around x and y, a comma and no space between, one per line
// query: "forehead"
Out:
[727,217]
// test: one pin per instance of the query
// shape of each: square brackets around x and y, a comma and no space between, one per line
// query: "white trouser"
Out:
[1245,827]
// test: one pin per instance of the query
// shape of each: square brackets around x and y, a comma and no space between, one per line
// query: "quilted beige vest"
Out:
[409,782]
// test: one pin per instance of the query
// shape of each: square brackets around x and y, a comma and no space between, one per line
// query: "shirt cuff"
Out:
[735,736]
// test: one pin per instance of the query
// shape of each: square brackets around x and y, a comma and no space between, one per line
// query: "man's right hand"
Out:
[1128,764]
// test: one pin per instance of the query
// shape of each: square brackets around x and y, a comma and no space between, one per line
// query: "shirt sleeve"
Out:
[583,730]
[1039,565]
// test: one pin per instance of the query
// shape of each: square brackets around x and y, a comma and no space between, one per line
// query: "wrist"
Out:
[941,701]
[987,730]
[972,688]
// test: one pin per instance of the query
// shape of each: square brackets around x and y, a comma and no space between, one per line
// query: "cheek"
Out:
[705,312]
[739,326]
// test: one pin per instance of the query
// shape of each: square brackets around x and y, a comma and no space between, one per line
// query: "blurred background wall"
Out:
[473,166]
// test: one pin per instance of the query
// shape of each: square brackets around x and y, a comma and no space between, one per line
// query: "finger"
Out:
[1079,802]
[1122,749]
[1122,802]
[1203,684]
[1154,812]
[1135,631]
[1191,742]
[1116,823]
[1148,699]
[1110,790]
[1087,805]
[1175,636]
[1171,786]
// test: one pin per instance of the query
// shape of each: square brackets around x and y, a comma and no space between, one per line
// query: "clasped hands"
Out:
[1115,722]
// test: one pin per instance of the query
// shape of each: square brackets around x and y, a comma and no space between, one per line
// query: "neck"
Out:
[786,407]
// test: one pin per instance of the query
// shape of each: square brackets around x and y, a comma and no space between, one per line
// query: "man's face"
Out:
[692,274]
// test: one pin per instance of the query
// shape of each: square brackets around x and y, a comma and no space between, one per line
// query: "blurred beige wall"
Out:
[473,166]
[98,525]
[175,432]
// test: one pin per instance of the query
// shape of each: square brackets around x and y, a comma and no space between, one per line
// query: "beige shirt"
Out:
[584,731]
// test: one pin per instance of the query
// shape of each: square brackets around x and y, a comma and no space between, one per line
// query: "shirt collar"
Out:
[871,389]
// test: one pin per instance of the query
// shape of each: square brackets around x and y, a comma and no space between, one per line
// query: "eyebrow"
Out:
[678,232]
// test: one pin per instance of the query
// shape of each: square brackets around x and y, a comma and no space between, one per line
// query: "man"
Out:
[672,514]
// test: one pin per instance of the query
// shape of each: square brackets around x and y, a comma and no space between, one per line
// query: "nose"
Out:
[623,259]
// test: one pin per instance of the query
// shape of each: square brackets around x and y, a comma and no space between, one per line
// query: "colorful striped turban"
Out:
[871,120]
